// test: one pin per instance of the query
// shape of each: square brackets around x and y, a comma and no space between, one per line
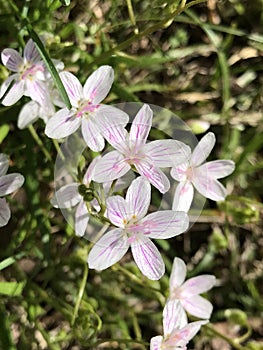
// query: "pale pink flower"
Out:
[8,184]
[177,332]
[134,229]
[29,75]
[188,292]
[86,110]
[132,150]
[201,176]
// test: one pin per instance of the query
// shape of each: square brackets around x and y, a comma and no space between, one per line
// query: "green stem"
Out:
[39,142]
[131,15]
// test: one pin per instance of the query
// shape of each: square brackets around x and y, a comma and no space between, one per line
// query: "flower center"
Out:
[28,71]
[85,107]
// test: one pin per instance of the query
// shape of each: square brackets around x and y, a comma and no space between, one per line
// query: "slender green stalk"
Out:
[132,16]
[39,142]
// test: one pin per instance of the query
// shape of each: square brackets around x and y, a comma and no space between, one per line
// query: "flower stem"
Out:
[39,142]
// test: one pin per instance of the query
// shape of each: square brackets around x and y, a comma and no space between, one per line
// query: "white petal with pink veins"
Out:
[174,317]
[118,211]
[198,285]
[5,213]
[67,196]
[156,343]
[10,183]
[198,306]
[92,135]
[31,53]
[108,250]
[183,196]
[16,91]
[141,127]
[208,187]
[99,84]
[11,59]
[62,124]
[73,87]
[28,114]
[218,169]
[81,218]
[178,274]
[148,258]
[203,149]
[139,196]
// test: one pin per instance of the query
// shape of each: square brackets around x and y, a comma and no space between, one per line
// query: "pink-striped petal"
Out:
[165,224]
[4,164]
[118,211]
[110,167]
[203,149]
[156,343]
[110,248]
[154,175]
[208,187]
[178,274]
[179,173]
[198,285]
[28,114]
[5,212]
[31,53]
[88,174]
[99,84]
[10,183]
[73,87]
[81,219]
[37,91]
[11,59]
[183,196]
[138,197]
[218,169]
[106,116]
[147,258]
[182,336]
[62,124]
[167,153]
[198,306]
[67,196]
[140,127]
[174,317]
[16,91]
[92,135]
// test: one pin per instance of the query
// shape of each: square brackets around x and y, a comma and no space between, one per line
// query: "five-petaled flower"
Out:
[135,229]
[86,110]
[188,292]
[201,176]
[29,77]
[132,150]
[177,332]
[8,184]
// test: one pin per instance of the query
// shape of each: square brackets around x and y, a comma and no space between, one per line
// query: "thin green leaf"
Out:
[11,288]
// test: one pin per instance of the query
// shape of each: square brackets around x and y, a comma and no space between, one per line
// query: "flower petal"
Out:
[154,175]
[4,164]
[62,124]
[10,183]
[148,258]
[203,149]
[138,197]
[198,285]
[118,211]
[28,114]
[167,153]
[92,135]
[183,335]
[174,317]
[140,127]
[165,224]
[5,212]
[67,196]
[99,84]
[37,91]
[110,248]
[81,219]
[208,187]
[179,173]
[88,174]
[73,87]
[183,196]
[110,116]
[11,59]
[156,343]
[197,306]
[16,91]
[31,53]
[218,169]
[110,167]
[178,274]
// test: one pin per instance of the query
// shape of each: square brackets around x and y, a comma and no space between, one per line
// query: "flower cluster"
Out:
[116,187]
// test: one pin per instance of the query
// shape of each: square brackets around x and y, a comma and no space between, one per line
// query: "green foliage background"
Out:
[204,64]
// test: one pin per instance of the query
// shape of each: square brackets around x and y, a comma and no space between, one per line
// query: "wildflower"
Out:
[201,176]
[29,77]
[188,292]
[132,150]
[177,332]
[135,229]
[86,110]
[8,184]
[68,196]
